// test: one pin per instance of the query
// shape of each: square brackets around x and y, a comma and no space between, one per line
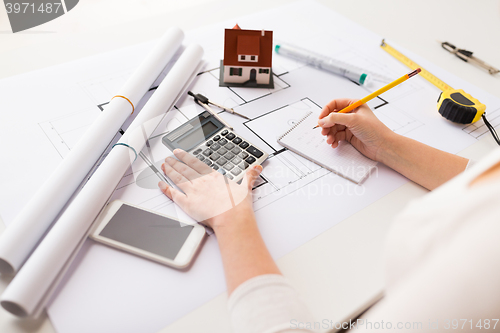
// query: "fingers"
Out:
[335,118]
[185,170]
[174,195]
[339,136]
[335,106]
[175,176]
[342,135]
[332,130]
[192,161]
[251,176]
[165,189]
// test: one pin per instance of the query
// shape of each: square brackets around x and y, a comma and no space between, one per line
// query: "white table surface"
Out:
[98,26]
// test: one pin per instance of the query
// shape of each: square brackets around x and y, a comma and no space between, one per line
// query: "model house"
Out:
[247,58]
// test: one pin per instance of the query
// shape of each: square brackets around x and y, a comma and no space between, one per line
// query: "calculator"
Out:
[216,145]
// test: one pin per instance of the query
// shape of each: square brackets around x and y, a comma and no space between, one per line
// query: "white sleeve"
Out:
[457,283]
[469,164]
[267,304]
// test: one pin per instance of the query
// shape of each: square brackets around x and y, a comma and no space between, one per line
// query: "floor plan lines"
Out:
[397,120]
[102,89]
[479,128]
[270,125]
[65,131]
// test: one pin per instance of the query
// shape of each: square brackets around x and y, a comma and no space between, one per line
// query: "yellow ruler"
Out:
[453,104]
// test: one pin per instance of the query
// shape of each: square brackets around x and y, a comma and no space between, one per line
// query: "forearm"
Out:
[427,166]
[244,254]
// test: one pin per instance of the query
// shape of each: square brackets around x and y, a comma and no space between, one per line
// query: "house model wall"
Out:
[247,58]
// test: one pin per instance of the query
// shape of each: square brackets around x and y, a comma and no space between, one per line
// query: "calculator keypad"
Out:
[228,154]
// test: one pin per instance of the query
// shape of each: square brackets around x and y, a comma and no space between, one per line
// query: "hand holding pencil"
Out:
[353,121]
[378,92]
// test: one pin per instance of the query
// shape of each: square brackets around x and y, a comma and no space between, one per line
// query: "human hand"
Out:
[360,127]
[208,196]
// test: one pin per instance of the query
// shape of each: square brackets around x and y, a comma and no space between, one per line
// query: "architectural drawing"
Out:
[65,131]
[478,129]
[291,190]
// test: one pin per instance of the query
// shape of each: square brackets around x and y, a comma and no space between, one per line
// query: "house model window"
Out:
[248,58]
[235,71]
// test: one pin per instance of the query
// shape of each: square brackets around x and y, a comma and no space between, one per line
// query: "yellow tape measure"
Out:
[453,104]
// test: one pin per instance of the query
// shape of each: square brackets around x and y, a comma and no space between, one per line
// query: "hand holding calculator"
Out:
[216,145]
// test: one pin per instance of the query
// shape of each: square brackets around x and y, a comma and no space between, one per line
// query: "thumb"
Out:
[336,118]
[252,175]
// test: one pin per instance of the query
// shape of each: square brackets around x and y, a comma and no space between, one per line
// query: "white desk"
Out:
[94,27]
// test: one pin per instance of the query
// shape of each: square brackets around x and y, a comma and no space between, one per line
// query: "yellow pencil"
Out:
[378,92]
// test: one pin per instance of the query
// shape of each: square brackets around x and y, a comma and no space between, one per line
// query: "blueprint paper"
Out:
[19,240]
[34,284]
[110,291]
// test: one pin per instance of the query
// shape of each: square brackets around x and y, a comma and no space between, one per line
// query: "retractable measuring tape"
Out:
[453,104]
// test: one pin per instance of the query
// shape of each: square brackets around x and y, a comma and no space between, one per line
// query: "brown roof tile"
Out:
[232,37]
[248,45]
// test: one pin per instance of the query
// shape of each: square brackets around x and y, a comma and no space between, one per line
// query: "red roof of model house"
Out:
[250,43]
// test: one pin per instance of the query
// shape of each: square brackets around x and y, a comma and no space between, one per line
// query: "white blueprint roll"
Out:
[22,235]
[29,291]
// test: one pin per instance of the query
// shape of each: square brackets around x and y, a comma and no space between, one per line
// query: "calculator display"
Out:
[195,137]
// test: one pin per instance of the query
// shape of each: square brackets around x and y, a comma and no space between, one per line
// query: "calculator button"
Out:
[229,166]
[209,142]
[214,156]
[229,146]
[243,154]
[244,144]
[201,158]
[207,152]
[221,171]
[207,162]
[235,150]
[243,165]
[215,167]
[222,151]
[250,159]
[229,156]
[222,142]
[197,151]
[228,175]
[237,141]
[215,146]
[236,160]
[254,151]
[236,171]
[230,136]
[221,161]
[224,132]
[216,138]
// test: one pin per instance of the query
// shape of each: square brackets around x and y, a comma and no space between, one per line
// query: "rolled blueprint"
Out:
[22,235]
[29,291]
